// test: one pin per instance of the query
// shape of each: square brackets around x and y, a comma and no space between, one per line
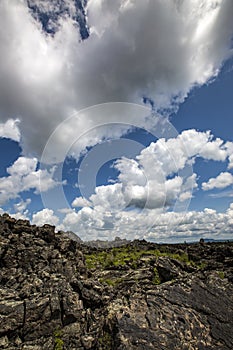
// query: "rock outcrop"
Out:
[57,293]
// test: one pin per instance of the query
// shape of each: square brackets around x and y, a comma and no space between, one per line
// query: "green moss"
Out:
[57,340]
[111,281]
[114,257]
[221,274]
[96,260]
[105,341]
[156,279]
[200,266]
[127,255]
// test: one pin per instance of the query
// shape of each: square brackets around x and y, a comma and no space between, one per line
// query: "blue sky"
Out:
[82,147]
[209,108]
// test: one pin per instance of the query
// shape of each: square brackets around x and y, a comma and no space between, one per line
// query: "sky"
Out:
[116,117]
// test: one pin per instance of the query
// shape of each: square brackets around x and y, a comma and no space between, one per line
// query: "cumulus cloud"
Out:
[189,185]
[153,179]
[45,216]
[173,154]
[109,197]
[229,146]
[86,222]
[23,176]
[21,206]
[223,180]
[10,130]
[44,79]
[140,203]
[230,215]
[80,202]
[152,225]
[19,215]
[145,188]
[47,78]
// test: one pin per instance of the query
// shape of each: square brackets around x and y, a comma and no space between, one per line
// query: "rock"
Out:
[88,341]
[4,342]
[57,293]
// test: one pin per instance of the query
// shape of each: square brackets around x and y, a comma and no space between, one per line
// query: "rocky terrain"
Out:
[117,242]
[57,293]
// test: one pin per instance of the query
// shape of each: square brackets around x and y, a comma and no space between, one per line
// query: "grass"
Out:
[57,340]
[130,256]
[133,258]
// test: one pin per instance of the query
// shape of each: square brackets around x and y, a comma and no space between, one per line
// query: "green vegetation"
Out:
[111,281]
[105,341]
[128,255]
[156,279]
[113,257]
[221,274]
[201,266]
[57,340]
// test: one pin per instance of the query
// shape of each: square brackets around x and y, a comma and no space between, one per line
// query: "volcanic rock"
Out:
[57,293]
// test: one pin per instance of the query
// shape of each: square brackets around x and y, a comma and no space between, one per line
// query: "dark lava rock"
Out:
[57,293]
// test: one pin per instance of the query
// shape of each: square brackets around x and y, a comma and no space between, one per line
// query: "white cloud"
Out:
[65,210]
[21,206]
[153,225]
[222,194]
[175,152]
[150,184]
[188,186]
[146,181]
[22,166]
[223,180]
[152,180]
[20,215]
[229,146]
[80,202]
[230,166]
[23,176]
[85,220]
[230,215]
[150,224]
[45,216]
[186,44]
[10,130]
[109,197]
[185,196]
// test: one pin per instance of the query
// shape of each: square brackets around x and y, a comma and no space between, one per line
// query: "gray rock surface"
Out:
[57,293]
